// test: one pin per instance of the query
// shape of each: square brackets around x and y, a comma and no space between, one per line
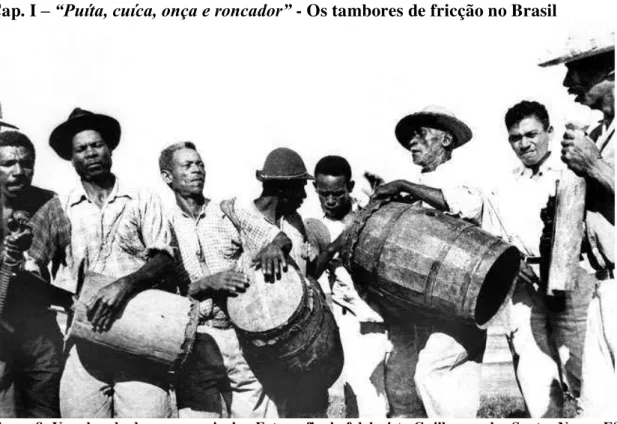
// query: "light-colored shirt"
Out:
[119,238]
[463,200]
[512,211]
[211,244]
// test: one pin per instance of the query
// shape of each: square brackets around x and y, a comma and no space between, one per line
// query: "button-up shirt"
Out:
[513,211]
[118,238]
[211,243]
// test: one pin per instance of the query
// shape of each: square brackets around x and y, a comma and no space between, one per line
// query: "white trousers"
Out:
[364,346]
[434,369]
[599,391]
[547,344]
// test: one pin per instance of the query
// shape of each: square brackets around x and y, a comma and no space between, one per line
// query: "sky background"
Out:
[239,87]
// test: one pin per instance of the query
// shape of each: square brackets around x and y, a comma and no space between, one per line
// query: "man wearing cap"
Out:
[434,368]
[545,332]
[284,177]
[209,247]
[121,232]
[591,78]
[30,340]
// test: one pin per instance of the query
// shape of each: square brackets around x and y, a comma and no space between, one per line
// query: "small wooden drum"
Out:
[156,325]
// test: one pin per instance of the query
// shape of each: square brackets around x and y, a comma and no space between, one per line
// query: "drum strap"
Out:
[227,207]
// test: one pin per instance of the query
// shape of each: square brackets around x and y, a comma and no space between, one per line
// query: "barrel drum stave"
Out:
[421,260]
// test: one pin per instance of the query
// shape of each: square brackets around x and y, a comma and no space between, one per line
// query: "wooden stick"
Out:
[567,232]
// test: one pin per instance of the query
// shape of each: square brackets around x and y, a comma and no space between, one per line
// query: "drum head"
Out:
[266,306]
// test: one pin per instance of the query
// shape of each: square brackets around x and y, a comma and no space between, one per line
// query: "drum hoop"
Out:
[311,339]
[358,224]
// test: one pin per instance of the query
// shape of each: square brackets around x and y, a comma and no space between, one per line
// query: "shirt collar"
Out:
[79,194]
[550,164]
[354,208]
[201,215]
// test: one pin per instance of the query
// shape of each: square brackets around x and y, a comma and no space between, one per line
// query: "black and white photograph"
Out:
[367,210]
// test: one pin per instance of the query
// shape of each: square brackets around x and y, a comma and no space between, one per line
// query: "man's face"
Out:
[187,175]
[91,155]
[586,84]
[16,169]
[291,195]
[334,194]
[428,146]
[529,140]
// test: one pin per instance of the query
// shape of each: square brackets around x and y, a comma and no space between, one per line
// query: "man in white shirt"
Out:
[362,330]
[545,333]
[591,78]
[434,368]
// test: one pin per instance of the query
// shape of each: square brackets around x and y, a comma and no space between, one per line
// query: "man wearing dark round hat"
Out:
[591,78]
[121,232]
[284,177]
[434,368]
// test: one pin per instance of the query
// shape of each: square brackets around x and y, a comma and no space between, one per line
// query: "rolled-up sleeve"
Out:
[465,202]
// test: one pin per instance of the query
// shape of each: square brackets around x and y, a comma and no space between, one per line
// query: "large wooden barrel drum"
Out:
[420,260]
[287,332]
[155,325]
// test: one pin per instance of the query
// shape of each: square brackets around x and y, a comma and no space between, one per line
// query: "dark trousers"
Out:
[30,368]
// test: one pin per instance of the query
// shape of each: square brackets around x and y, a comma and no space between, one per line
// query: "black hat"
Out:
[61,139]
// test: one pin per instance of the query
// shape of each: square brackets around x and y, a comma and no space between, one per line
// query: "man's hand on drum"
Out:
[272,261]
[388,190]
[104,308]
[230,282]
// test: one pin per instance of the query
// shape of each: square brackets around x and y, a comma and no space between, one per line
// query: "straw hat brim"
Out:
[574,56]
[406,126]
[61,139]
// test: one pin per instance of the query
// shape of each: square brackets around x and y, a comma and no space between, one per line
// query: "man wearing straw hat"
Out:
[209,246]
[434,368]
[590,64]
[30,340]
[121,232]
